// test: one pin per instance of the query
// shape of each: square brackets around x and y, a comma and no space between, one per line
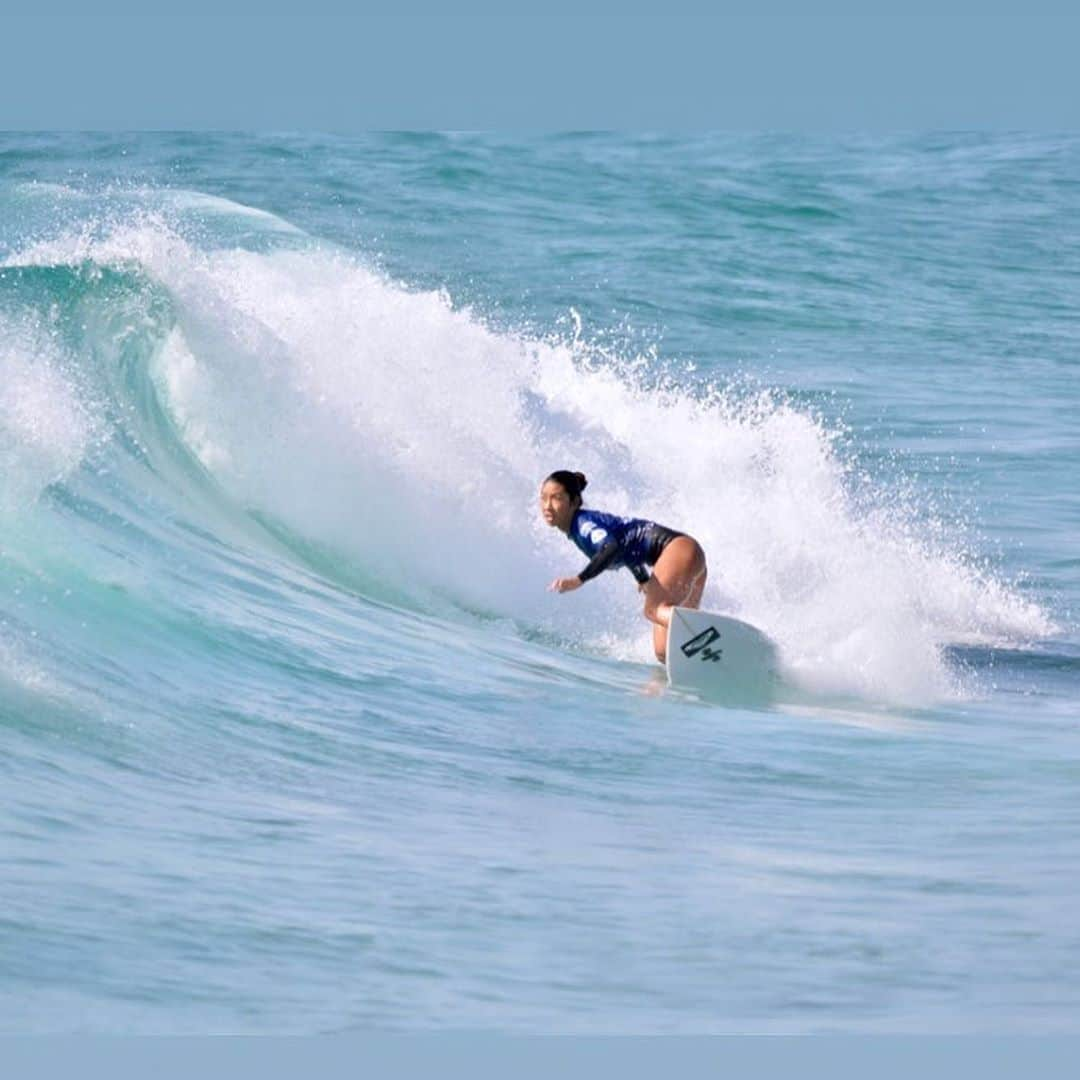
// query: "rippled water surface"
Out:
[293,738]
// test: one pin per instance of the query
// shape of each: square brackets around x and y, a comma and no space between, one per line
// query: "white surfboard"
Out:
[720,657]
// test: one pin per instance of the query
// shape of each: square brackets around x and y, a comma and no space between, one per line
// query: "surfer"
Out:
[678,563]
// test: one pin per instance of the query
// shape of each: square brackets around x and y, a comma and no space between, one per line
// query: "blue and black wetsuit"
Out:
[611,542]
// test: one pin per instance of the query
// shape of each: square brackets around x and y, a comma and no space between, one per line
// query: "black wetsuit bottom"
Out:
[657,538]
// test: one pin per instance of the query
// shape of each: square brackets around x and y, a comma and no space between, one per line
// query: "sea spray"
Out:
[46,422]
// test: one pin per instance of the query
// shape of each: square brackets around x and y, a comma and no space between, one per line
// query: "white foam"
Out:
[407,435]
[46,426]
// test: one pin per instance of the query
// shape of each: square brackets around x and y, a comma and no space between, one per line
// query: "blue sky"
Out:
[775,72]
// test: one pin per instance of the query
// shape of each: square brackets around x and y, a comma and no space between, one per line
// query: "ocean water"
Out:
[294,739]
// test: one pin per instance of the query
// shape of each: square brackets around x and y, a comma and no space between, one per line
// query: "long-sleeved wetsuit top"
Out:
[611,542]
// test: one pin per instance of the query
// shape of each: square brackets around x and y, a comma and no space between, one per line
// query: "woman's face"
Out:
[556,506]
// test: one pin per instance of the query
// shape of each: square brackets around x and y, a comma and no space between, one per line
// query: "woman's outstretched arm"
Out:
[604,558]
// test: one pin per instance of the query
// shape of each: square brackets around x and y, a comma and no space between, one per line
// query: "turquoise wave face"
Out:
[281,688]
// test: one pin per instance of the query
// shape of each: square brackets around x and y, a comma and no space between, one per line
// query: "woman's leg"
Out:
[678,580]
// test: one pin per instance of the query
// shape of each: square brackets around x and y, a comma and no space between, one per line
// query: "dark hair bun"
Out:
[573,483]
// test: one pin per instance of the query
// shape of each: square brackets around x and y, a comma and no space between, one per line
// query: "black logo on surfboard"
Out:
[702,643]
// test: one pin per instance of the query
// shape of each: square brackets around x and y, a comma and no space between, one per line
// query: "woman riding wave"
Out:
[677,561]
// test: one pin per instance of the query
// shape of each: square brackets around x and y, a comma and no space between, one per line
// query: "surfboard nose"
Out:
[719,657]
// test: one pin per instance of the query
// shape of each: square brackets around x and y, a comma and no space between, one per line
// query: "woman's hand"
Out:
[565,584]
